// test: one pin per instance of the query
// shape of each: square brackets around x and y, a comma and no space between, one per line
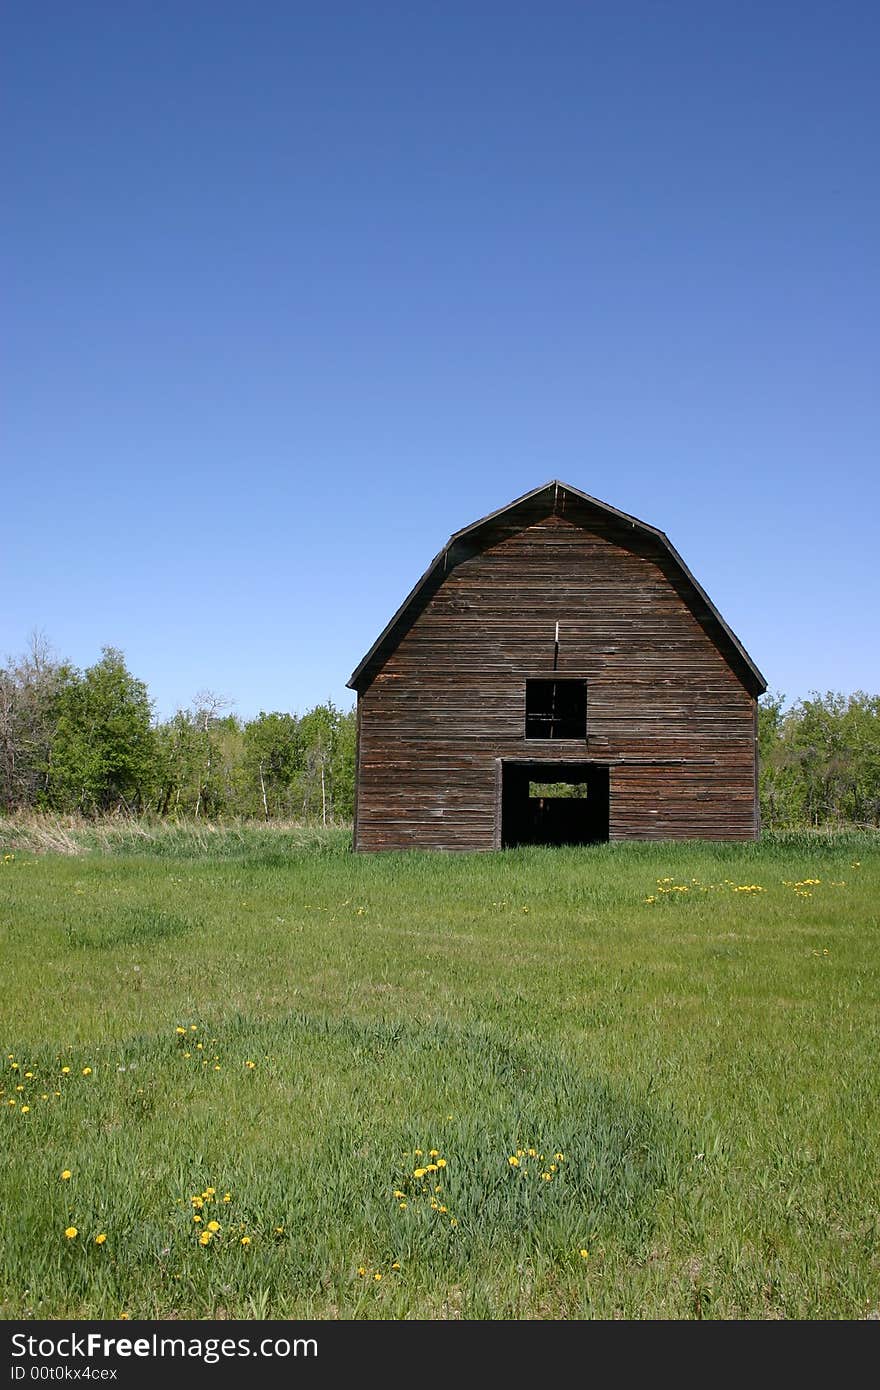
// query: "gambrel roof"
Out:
[557,497]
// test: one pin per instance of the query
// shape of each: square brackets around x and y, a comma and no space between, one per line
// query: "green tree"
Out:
[178,765]
[103,751]
[326,782]
[273,761]
[771,758]
[30,693]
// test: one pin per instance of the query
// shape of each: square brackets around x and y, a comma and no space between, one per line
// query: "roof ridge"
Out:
[443,556]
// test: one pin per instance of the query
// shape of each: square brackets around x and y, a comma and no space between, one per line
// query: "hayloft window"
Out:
[556,709]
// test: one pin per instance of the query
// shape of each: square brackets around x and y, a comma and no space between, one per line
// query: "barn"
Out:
[557,676]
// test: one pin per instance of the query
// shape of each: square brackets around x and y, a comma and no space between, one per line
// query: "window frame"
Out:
[531,717]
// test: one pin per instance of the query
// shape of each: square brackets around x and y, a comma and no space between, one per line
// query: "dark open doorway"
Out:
[547,803]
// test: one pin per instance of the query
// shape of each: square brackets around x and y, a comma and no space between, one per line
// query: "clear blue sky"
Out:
[291,291]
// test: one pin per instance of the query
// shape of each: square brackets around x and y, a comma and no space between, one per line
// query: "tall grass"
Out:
[685,1035]
[188,838]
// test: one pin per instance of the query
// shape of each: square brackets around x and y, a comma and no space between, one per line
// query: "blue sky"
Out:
[291,291]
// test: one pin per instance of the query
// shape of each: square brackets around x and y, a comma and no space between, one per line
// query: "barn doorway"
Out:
[548,803]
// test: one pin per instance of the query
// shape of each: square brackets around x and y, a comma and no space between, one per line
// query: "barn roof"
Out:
[555,494]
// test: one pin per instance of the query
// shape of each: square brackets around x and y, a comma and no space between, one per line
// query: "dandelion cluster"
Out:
[529,1160]
[26,1095]
[71,1232]
[188,1045]
[372,1275]
[208,1229]
[667,887]
[804,887]
[419,1186]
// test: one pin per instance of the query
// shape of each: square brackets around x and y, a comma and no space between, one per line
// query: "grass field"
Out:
[626,1081]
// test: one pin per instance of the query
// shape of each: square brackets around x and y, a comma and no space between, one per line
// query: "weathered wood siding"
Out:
[666,711]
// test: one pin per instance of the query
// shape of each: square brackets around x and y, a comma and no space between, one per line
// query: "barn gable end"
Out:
[556,602]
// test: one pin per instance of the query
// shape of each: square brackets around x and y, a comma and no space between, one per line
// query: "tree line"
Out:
[819,760]
[86,742]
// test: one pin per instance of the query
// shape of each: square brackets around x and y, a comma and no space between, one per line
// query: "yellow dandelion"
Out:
[402,1206]
[197,1217]
[250,1065]
[419,1172]
[453,1220]
[87,1071]
[180,1031]
[227,1196]
[29,1075]
[205,1238]
[71,1233]
[213,1225]
[513,1161]
[396,1264]
[245,1240]
[125,1316]
[584,1254]
[361,1272]
[99,1240]
[377,1276]
[187,1054]
[433,1153]
[66,1174]
[198,1202]
[441,1162]
[548,1177]
[26,1109]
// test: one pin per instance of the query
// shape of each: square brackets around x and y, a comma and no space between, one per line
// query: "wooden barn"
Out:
[557,676]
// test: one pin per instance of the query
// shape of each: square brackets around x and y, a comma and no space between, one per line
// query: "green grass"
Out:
[706,1063]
